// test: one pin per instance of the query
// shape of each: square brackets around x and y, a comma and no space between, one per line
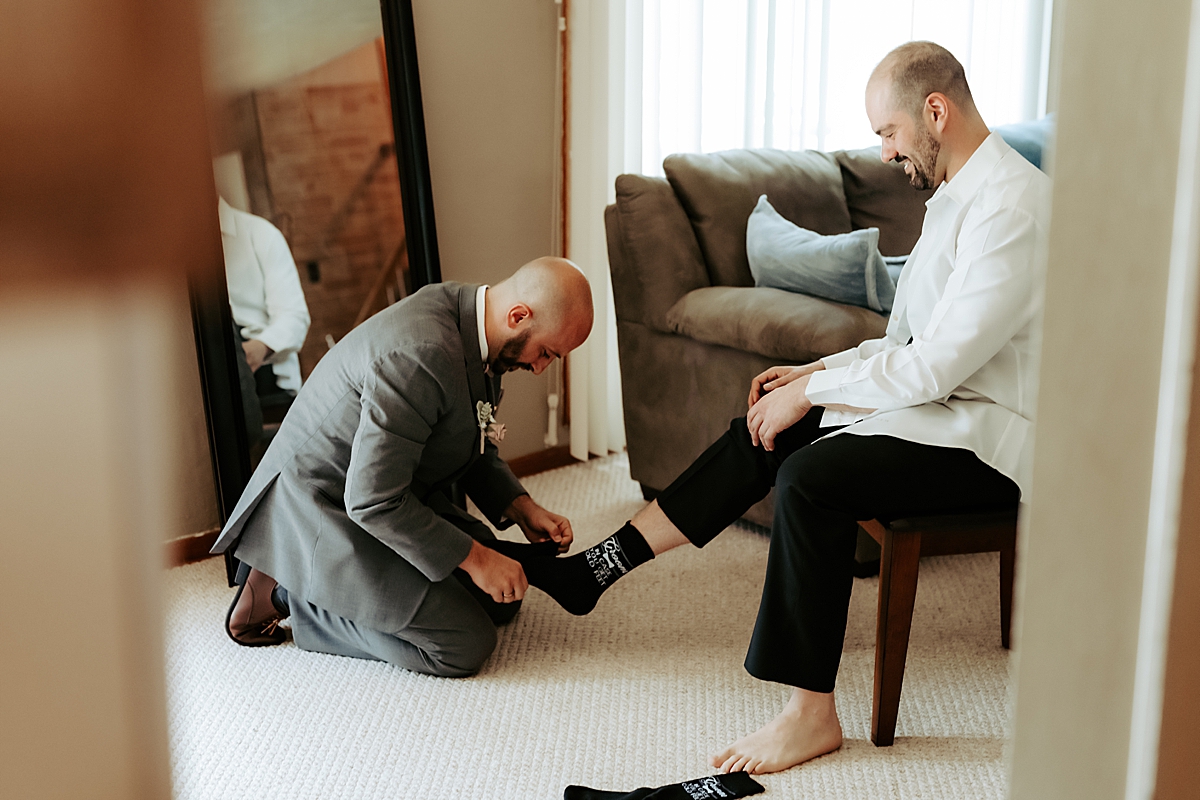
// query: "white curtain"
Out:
[604,93]
[791,74]
[655,77]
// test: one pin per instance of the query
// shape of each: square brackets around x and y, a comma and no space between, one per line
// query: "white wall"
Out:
[106,203]
[487,83]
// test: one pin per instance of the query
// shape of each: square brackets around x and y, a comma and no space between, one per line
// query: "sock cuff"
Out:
[635,546]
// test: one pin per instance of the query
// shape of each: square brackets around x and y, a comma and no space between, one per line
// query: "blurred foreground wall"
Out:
[106,203]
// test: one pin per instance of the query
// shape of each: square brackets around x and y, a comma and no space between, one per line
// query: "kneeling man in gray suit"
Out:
[349,509]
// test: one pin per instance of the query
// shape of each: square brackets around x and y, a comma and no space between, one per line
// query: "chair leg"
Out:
[899,567]
[1008,559]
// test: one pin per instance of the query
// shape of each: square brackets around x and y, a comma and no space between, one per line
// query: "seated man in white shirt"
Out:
[936,417]
[269,310]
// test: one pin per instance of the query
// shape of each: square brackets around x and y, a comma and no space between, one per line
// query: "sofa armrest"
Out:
[653,255]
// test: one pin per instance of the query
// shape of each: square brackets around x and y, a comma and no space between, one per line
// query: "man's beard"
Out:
[924,160]
[509,356]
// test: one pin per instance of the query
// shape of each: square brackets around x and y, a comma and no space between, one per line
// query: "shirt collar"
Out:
[227,216]
[480,309]
[971,176]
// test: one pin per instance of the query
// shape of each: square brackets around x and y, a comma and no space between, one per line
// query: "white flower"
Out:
[489,429]
[483,416]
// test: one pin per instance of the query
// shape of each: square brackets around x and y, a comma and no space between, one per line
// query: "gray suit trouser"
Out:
[451,635]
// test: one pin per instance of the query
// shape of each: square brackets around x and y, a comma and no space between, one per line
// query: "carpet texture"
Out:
[635,694]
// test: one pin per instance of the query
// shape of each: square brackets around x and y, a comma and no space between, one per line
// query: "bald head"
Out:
[557,291]
[539,313]
[915,70]
[920,106]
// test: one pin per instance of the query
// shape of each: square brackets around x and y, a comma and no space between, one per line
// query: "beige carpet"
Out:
[635,694]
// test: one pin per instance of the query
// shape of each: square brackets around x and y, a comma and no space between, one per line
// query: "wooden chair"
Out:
[904,542]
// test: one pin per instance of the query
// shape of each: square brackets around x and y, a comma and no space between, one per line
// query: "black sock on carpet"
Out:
[733,784]
[576,582]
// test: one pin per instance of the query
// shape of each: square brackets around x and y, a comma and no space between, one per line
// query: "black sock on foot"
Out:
[576,582]
[617,555]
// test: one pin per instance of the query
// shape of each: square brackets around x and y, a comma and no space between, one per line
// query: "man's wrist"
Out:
[802,386]
[471,559]
[517,508]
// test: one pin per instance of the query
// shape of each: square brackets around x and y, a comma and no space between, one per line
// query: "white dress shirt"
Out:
[956,367]
[264,290]
[480,310]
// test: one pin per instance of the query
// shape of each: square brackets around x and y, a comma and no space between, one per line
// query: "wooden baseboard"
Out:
[541,461]
[192,548]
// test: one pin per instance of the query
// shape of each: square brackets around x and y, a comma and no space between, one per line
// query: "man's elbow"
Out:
[366,512]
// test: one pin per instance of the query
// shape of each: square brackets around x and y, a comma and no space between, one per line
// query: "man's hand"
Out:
[538,524]
[257,353]
[777,411]
[499,576]
[776,377]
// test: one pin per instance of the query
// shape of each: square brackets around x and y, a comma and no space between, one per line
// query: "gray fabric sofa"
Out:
[692,330]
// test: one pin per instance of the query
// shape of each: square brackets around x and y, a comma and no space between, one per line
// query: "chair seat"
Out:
[962,521]
[952,534]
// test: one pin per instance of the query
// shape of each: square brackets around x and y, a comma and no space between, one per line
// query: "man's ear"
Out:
[518,314]
[937,110]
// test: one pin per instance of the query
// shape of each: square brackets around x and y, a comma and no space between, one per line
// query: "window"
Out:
[791,74]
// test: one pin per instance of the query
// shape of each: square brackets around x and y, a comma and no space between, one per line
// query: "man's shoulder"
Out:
[432,313]
[253,225]
[434,298]
[427,322]
[1016,185]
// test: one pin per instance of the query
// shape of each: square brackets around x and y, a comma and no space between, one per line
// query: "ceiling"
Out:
[252,44]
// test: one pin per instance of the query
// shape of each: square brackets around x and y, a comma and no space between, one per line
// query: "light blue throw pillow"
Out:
[895,265]
[1030,139]
[846,268]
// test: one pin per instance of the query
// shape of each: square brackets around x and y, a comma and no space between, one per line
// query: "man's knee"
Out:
[461,653]
[806,474]
[738,437]
[738,431]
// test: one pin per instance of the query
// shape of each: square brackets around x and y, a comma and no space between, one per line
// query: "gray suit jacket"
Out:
[347,509]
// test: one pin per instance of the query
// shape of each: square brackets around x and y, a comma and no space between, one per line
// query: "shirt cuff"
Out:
[281,346]
[823,386]
[832,419]
[839,359]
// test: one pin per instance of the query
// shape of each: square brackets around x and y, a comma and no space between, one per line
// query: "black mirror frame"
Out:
[216,350]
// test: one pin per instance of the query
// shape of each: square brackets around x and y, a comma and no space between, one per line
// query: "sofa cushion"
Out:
[879,195]
[719,190]
[793,328]
[844,267]
[652,251]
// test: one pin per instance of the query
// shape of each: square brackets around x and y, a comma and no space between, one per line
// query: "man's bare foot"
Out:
[806,728]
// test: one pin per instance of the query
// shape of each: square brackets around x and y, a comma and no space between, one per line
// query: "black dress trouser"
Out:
[822,489]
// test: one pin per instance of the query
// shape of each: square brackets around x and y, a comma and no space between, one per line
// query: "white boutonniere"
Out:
[489,429]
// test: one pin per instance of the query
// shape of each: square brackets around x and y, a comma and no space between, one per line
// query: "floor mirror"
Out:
[317,134]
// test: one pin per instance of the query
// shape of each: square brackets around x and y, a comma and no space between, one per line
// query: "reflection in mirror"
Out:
[311,220]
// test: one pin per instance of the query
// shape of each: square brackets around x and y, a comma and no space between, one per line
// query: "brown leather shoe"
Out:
[253,618]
